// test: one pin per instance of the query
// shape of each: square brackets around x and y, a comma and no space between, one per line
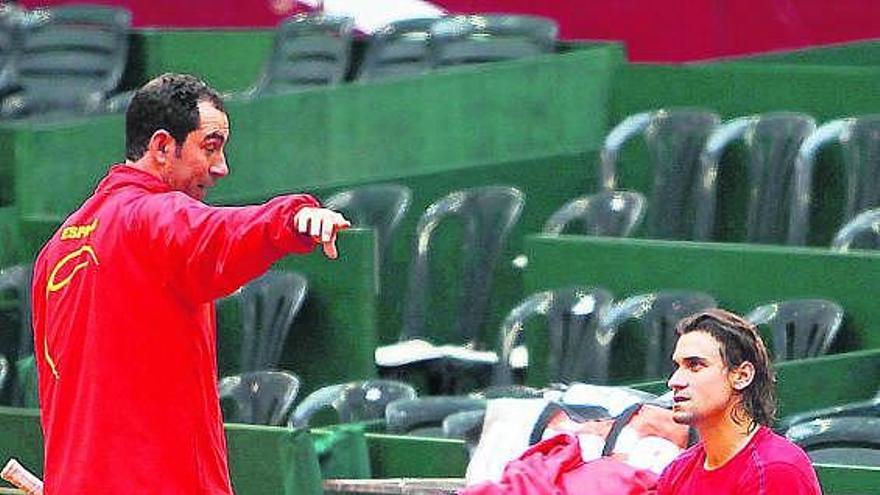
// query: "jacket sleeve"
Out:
[206,252]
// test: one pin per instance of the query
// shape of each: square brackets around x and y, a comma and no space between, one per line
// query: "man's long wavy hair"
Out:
[740,341]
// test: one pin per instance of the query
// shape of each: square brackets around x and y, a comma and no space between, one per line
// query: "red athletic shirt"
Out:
[125,336]
[768,465]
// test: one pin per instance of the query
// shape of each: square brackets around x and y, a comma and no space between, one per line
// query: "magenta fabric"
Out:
[125,333]
[554,466]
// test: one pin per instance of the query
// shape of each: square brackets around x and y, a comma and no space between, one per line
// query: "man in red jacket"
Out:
[724,386]
[123,303]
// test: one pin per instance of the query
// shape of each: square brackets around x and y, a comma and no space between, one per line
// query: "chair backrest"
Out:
[474,39]
[4,372]
[851,440]
[353,402]
[16,280]
[267,308]
[869,407]
[675,138]
[649,320]
[398,49]
[862,232]
[405,415]
[11,21]
[772,142]
[859,138]
[579,347]
[74,52]
[380,206]
[309,50]
[607,213]
[488,214]
[258,397]
[799,328]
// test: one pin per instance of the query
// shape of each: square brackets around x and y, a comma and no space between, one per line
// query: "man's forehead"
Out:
[697,344]
[212,120]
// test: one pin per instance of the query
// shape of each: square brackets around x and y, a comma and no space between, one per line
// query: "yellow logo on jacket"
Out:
[78,231]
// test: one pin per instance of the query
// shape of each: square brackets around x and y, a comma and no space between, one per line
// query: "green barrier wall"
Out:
[848,480]
[740,277]
[270,461]
[231,59]
[334,335]
[735,90]
[412,457]
[21,438]
[864,53]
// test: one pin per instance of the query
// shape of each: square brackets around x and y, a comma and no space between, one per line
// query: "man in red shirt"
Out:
[724,386]
[123,303]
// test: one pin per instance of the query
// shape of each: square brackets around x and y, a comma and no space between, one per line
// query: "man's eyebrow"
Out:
[215,135]
[691,360]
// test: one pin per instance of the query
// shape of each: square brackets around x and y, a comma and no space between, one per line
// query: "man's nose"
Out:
[675,381]
[219,169]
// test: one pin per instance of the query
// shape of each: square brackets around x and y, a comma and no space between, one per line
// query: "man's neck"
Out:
[724,439]
[146,165]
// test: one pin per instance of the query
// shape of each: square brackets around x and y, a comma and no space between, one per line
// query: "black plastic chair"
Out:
[424,416]
[353,402]
[645,323]
[379,206]
[799,328]
[772,142]
[866,408]
[398,49]
[11,23]
[608,213]
[309,50]
[4,372]
[16,282]
[118,103]
[849,440]
[258,397]
[578,345]
[859,140]
[675,138]
[862,232]
[508,391]
[475,39]
[71,58]
[488,214]
[465,425]
[267,307]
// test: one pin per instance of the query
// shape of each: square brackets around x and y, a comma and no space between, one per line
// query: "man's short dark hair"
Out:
[168,102]
[740,341]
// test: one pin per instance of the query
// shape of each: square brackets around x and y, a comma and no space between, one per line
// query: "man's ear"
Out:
[742,376]
[161,143]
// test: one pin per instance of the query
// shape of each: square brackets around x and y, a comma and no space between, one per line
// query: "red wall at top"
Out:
[653,30]
[681,30]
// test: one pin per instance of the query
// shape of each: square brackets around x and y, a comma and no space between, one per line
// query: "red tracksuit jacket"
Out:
[125,334]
